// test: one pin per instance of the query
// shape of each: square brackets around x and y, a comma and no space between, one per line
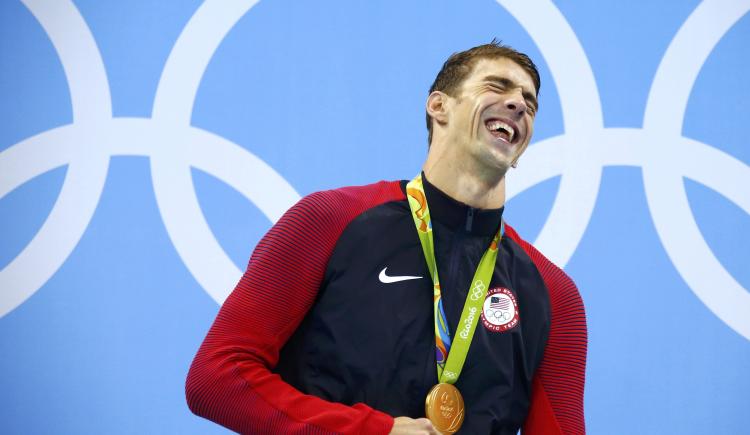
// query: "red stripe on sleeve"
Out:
[230,381]
[557,390]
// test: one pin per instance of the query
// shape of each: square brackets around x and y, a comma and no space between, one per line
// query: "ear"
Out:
[437,104]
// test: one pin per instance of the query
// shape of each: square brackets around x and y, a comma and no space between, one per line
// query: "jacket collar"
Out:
[458,216]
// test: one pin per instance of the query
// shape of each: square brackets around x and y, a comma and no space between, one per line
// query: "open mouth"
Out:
[500,129]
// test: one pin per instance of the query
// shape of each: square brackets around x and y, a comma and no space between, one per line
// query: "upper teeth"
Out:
[497,125]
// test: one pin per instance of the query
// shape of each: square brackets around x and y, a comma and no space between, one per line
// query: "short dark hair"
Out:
[459,66]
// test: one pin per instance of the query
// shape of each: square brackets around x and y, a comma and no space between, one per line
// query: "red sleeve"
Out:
[230,381]
[557,389]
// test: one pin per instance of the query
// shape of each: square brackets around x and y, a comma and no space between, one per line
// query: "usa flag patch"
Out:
[500,310]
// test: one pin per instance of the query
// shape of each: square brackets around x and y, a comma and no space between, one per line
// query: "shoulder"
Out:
[567,308]
[316,223]
[335,208]
[557,281]
[358,197]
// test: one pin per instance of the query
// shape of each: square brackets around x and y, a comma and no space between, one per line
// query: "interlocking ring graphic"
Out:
[478,291]
[173,146]
[167,138]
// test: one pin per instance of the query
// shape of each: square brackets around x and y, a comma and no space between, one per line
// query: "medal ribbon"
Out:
[451,355]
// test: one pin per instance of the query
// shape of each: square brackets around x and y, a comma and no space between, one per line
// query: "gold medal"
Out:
[444,407]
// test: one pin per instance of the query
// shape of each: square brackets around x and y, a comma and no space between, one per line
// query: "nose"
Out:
[516,103]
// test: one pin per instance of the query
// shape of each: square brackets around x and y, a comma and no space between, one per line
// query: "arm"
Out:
[557,389]
[230,380]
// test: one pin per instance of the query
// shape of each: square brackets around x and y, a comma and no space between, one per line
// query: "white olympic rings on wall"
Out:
[174,147]
[167,138]
[659,148]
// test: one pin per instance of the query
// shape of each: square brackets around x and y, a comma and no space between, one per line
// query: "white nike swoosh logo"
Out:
[385,279]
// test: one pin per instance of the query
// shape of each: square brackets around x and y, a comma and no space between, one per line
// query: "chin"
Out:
[500,158]
[494,165]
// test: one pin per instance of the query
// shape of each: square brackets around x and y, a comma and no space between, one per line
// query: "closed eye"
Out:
[501,84]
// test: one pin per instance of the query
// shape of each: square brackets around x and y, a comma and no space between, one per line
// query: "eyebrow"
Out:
[511,84]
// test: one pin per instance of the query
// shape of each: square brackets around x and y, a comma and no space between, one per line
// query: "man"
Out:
[399,298]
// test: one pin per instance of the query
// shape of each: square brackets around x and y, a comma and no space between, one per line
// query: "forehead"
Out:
[500,67]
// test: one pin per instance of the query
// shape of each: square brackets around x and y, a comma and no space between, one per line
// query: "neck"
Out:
[475,187]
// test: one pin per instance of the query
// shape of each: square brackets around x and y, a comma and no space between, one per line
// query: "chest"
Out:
[370,336]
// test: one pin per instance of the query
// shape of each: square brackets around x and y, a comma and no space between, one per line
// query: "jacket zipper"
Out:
[469,219]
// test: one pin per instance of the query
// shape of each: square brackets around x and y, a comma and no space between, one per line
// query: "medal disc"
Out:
[444,407]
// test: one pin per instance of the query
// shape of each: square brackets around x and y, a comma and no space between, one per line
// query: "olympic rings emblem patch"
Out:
[500,310]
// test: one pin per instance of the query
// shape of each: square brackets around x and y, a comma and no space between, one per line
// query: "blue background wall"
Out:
[146,146]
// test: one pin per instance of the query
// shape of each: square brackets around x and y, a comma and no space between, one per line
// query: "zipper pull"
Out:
[469,219]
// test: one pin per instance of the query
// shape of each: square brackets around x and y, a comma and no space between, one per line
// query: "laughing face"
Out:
[491,118]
